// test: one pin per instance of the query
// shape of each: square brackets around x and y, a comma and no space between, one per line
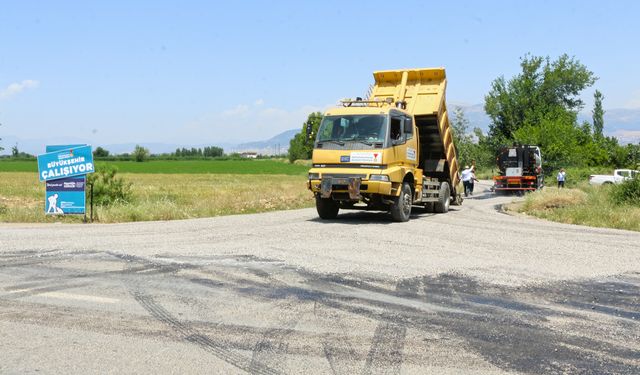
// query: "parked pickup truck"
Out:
[619,176]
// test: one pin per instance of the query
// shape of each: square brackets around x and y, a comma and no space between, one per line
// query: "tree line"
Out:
[16,153]
[141,153]
[207,152]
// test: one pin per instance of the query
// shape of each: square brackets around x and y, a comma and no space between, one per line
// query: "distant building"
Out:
[249,155]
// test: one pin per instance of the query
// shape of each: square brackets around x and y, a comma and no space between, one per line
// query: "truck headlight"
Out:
[314,176]
[379,177]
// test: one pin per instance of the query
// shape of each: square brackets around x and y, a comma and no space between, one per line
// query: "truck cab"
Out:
[371,154]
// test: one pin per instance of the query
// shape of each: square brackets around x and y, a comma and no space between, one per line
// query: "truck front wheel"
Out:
[327,208]
[444,199]
[401,207]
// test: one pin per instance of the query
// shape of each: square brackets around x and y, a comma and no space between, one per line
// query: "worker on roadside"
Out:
[466,176]
[473,179]
[562,177]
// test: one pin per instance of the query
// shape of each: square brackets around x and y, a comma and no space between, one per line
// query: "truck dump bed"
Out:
[423,92]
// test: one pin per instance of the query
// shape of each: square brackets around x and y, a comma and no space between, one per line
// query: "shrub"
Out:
[107,188]
[627,192]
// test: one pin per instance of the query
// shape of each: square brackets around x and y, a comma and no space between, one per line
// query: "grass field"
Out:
[585,205]
[165,196]
[183,167]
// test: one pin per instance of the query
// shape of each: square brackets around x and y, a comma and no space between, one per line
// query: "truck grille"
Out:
[343,175]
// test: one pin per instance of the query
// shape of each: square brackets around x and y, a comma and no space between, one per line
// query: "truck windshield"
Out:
[364,128]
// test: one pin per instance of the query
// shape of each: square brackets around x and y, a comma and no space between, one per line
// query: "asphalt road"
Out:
[471,291]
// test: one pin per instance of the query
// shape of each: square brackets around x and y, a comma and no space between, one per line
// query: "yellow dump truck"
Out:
[389,151]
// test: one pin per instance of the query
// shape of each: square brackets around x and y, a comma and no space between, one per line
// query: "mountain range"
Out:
[278,144]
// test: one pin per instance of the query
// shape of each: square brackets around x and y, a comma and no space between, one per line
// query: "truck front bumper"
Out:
[354,187]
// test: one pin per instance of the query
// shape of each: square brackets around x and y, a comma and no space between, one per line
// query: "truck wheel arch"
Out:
[410,179]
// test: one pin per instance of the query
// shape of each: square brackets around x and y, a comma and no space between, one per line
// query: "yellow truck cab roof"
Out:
[361,110]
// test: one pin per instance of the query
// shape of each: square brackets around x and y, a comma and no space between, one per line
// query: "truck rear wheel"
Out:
[327,208]
[444,199]
[401,207]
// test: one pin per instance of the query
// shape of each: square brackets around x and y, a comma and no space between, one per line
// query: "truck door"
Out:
[402,138]
[411,152]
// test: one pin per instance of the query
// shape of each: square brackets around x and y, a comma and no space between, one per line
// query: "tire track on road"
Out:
[184,330]
[273,345]
[192,336]
[387,347]
[340,354]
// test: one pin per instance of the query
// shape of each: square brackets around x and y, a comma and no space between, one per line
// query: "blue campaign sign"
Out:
[66,196]
[68,162]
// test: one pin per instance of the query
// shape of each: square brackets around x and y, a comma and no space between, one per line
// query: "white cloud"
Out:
[259,102]
[239,110]
[16,88]
[625,133]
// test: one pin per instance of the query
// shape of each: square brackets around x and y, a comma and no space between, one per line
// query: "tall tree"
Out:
[140,153]
[598,114]
[543,87]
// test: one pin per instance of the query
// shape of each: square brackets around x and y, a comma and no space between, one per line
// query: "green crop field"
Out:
[182,166]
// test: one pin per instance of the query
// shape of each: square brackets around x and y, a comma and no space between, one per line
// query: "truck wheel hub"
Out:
[406,203]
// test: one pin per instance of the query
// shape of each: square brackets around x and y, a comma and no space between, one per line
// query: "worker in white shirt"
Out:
[466,176]
[562,177]
[472,181]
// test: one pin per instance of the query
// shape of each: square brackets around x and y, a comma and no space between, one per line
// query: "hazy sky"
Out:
[198,72]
